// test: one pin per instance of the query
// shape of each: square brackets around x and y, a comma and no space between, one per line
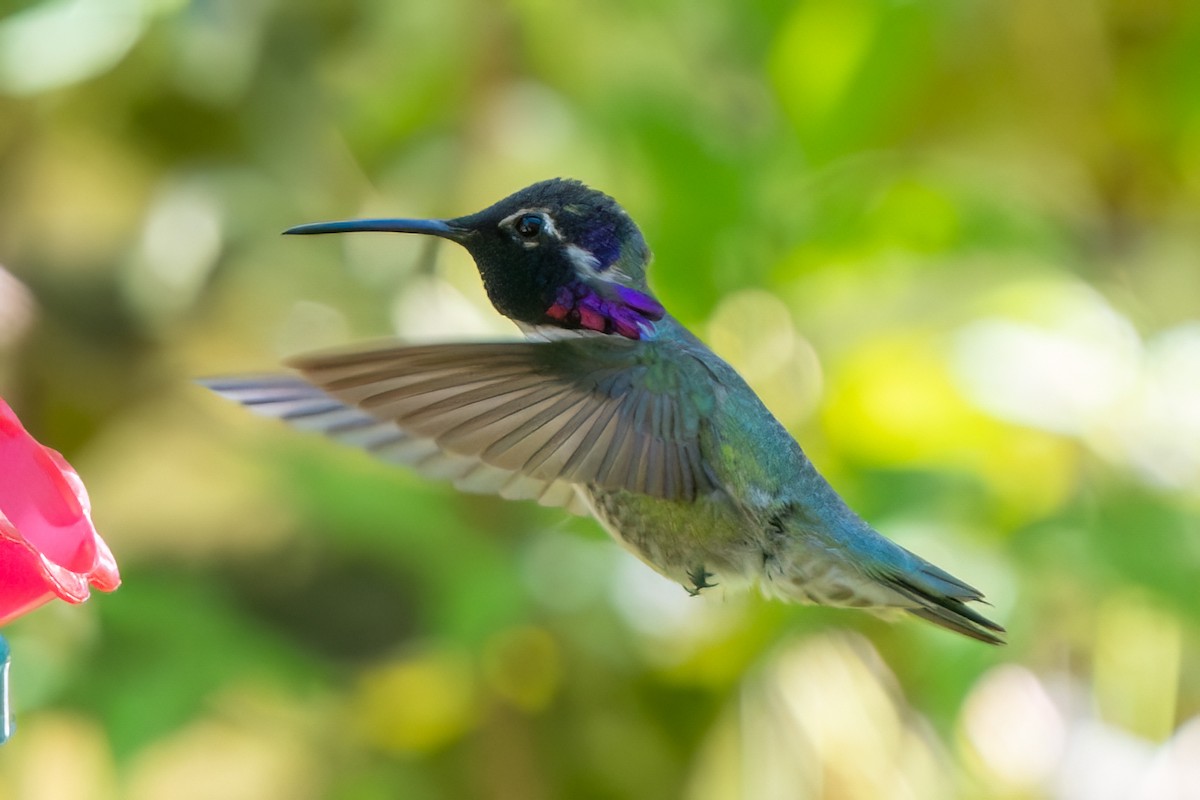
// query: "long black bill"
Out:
[432,227]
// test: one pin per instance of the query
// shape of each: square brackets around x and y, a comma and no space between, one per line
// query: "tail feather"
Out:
[947,609]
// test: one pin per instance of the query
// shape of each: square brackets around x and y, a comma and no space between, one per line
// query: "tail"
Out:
[942,599]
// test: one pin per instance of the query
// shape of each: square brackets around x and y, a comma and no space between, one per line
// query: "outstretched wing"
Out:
[295,400]
[522,419]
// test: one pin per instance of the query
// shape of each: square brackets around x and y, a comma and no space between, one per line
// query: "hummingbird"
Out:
[611,408]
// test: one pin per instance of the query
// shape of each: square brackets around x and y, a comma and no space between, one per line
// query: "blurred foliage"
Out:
[952,244]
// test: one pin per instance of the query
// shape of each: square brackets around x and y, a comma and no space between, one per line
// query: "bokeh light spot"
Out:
[416,704]
[61,42]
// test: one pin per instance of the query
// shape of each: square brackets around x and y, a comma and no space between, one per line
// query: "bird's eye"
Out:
[529,226]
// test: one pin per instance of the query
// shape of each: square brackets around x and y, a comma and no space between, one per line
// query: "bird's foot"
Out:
[699,578]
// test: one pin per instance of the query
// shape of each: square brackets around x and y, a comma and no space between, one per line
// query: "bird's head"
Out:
[553,254]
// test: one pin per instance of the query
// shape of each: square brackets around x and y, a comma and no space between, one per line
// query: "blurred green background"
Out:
[954,246]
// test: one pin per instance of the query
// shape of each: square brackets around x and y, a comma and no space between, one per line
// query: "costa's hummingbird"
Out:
[610,408]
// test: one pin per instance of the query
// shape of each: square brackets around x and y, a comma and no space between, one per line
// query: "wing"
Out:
[294,400]
[588,411]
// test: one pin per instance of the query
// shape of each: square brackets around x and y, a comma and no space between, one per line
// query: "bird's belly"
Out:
[683,539]
[822,579]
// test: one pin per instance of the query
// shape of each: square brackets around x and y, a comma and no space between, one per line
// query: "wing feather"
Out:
[301,404]
[521,419]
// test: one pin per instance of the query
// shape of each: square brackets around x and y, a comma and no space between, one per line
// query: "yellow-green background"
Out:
[953,243]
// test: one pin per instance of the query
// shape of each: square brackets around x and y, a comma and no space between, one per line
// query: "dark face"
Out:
[555,253]
[551,235]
